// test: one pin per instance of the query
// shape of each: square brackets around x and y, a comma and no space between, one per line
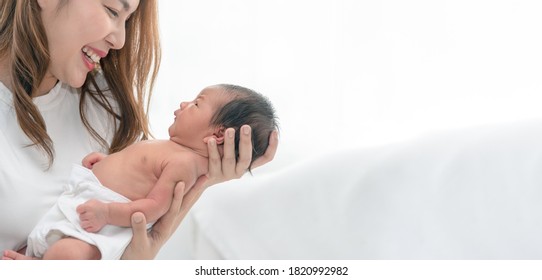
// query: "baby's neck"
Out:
[201,151]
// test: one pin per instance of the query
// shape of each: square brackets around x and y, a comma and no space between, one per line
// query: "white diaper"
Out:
[62,219]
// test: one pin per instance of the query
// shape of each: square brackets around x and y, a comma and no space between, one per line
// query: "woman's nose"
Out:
[183,105]
[117,37]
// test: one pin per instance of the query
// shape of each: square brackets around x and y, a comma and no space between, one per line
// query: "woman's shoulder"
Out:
[6,96]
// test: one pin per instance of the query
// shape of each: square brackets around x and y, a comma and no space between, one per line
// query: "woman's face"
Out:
[81,32]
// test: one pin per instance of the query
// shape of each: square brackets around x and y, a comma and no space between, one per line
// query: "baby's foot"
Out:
[12,255]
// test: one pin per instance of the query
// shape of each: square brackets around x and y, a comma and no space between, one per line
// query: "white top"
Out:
[27,188]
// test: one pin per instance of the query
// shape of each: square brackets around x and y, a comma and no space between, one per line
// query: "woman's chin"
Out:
[77,82]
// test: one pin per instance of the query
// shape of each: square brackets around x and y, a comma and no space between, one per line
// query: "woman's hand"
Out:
[226,168]
[145,245]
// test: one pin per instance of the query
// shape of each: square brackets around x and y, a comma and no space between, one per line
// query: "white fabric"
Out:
[469,194]
[27,189]
[62,219]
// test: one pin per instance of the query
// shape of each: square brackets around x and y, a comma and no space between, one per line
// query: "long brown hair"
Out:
[129,72]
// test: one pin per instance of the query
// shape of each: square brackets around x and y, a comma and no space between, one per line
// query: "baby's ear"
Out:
[218,135]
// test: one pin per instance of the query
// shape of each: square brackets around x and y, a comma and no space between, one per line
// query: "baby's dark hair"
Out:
[247,107]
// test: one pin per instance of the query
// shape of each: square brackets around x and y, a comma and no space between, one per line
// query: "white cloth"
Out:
[27,189]
[62,219]
[469,194]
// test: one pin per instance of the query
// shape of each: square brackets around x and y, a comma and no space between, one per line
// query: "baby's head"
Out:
[220,107]
[246,106]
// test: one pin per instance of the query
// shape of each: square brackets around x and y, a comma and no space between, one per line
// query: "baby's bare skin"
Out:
[145,173]
[148,171]
[134,171]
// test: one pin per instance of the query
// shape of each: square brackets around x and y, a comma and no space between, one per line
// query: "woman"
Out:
[55,107]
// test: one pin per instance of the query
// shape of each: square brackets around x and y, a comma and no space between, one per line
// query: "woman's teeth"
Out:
[90,54]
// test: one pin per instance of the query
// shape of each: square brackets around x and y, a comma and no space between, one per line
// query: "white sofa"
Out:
[474,193]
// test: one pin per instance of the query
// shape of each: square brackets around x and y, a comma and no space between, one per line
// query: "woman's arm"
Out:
[145,245]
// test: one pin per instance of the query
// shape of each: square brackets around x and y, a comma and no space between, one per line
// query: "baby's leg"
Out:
[12,255]
[70,248]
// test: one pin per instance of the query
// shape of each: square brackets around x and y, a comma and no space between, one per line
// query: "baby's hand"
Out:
[93,215]
[92,158]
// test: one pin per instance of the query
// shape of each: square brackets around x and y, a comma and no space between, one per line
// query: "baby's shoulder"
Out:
[182,156]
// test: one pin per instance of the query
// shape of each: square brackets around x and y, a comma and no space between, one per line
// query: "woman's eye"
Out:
[112,12]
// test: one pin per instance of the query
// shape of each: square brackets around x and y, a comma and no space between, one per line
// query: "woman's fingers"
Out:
[227,167]
[140,246]
[270,152]
[139,227]
[215,161]
[245,151]
[228,160]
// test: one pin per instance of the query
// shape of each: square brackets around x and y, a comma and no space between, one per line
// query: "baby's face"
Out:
[192,119]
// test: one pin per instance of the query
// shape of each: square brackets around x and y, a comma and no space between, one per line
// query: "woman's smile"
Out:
[91,57]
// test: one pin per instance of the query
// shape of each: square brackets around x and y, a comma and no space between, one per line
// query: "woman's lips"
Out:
[92,57]
[88,62]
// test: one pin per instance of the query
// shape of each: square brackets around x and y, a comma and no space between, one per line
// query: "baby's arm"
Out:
[95,214]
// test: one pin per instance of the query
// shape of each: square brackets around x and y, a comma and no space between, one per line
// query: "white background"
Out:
[347,73]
